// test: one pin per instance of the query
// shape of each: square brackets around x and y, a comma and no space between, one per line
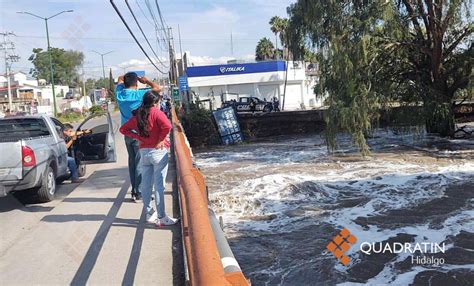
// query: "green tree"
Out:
[374,53]
[265,50]
[102,83]
[92,84]
[65,65]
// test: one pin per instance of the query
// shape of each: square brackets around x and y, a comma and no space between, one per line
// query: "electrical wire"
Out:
[163,46]
[161,19]
[143,12]
[143,33]
[147,3]
[131,33]
[157,28]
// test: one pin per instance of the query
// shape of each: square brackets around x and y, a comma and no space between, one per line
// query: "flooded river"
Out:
[283,199]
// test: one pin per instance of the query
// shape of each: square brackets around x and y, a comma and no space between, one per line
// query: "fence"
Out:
[208,261]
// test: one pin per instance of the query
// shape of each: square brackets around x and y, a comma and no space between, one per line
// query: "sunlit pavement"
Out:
[92,233]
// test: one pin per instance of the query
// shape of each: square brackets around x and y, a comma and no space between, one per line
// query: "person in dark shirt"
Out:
[69,137]
[276,104]
[252,105]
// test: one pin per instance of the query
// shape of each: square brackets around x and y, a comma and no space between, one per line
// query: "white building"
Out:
[25,90]
[264,80]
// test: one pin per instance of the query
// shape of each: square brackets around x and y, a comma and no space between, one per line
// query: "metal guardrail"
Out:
[209,259]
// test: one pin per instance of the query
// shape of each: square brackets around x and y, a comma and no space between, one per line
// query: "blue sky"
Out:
[205,27]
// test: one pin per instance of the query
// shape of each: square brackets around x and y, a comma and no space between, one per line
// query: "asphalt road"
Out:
[91,233]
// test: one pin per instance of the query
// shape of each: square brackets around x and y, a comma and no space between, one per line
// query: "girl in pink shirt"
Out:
[151,127]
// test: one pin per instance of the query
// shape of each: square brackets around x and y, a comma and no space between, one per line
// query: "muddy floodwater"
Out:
[283,199]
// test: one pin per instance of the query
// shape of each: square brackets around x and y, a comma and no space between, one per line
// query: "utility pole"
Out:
[181,49]
[173,70]
[9,58]
[83,81]
[231,45]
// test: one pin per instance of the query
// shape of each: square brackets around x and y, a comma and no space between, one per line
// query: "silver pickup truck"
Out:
[33,154]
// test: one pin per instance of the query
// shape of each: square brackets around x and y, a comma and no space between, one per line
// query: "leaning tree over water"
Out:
[373,54]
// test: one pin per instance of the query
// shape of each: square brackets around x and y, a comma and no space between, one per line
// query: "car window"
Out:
[22,128]
[59,130]
[244,100]
[97,123]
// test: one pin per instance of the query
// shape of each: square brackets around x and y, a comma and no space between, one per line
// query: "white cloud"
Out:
[207,60]
[144,64]
[141,64]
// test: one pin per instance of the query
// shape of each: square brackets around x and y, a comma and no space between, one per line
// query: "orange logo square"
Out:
[340,244]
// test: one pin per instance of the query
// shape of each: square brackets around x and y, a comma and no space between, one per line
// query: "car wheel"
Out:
[81,170]
[47,189]
[266,109]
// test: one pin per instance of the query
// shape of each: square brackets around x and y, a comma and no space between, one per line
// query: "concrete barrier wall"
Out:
[259,125]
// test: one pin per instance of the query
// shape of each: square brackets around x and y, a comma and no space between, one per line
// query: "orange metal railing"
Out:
[202,255]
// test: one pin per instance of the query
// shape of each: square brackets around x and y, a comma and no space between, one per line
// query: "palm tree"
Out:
[280,26]
[274,26]
[265,50]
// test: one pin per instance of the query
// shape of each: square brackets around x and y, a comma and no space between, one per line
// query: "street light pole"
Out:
[49,51]
[102,57]
[55,111]
[103,68]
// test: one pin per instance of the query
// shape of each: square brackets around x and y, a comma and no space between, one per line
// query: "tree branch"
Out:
[422,48]
[457,84]
[411,13]
[431,18]
[449,16]
[421,10]
[453,46]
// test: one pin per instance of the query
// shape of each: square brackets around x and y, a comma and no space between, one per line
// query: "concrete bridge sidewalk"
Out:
[97,236]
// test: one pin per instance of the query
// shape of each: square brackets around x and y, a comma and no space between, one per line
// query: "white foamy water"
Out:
[284,185]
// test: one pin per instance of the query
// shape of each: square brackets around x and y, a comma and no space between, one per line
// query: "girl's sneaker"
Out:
[167,220]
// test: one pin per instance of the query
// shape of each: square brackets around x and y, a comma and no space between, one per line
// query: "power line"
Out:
[143,33]
[143,12]
[131,41]
[131,33]
[163,22]
[157,28]
[147,3]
